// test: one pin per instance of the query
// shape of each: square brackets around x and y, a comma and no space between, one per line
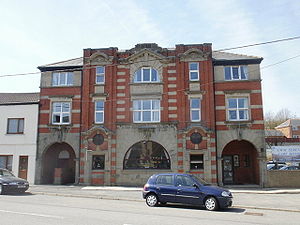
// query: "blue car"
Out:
[185,189]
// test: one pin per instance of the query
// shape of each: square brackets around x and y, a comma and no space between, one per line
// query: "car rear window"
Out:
[165,180]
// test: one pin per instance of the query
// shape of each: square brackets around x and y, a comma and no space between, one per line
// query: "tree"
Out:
[272,120]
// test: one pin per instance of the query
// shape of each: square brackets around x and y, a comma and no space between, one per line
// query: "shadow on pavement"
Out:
[19,194]
[179,206]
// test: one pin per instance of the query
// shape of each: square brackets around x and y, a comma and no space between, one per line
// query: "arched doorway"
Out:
[240,164]
[59,164]
[147,155]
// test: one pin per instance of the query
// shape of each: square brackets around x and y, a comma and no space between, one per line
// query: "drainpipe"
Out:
[80,130]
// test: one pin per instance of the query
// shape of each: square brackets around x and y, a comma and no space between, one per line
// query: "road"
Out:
[32,209]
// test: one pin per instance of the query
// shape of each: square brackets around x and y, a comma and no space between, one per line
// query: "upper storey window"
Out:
[100,75]
[146,111]
[236,72]
[62,79]
[194,71]
[238,109]
[61,113]
[146,75]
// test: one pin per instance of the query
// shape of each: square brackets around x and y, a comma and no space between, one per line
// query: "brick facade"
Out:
[111,152]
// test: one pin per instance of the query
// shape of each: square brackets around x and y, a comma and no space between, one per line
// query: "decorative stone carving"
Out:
[194,54]
[100,58]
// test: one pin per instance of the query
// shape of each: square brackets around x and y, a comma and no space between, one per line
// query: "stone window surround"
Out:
[245,94]
[193,71]
[100,74]
[239,73]
[95,99]
[151,110]
[60,99]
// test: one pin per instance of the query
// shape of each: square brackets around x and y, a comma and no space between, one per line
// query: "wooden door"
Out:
[23,167]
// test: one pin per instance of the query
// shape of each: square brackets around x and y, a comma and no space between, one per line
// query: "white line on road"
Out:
[32,214]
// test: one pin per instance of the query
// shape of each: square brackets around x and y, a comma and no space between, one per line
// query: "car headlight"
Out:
[226,194]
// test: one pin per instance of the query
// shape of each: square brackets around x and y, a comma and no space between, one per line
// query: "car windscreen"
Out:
[199,180]
[6,173]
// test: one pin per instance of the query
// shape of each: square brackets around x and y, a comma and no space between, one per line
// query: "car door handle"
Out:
[157,188]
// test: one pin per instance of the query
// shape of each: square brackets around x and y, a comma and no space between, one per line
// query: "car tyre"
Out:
[211,204]
[151,200]
[1,189]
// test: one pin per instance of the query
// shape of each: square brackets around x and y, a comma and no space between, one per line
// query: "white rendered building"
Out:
[18,133]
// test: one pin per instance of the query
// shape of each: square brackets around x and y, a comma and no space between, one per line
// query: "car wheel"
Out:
[1,189]
[151,200]
[211,204]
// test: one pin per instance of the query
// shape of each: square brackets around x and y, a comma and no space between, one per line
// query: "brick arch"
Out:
[246,169]
[57,170]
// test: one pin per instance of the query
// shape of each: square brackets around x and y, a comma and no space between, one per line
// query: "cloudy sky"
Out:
[38,32]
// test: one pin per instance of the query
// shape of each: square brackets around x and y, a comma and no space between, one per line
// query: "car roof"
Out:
[158,174]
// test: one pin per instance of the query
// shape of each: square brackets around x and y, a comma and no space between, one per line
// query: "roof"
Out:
[221,57]
[289,123]
[69,62]
[19,98]
[273,133]
[217,55]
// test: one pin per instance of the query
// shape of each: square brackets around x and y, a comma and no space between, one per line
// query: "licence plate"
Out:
[21,186]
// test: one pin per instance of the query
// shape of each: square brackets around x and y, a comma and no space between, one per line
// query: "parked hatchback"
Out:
[186,189]
[9,183]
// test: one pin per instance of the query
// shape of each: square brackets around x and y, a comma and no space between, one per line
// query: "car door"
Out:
[165,188]
[187,192]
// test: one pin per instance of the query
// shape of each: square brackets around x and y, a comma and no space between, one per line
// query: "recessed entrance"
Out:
[240,165]
[59,164]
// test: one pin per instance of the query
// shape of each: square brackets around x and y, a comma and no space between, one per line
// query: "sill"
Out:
[59,125]
[238,121]
[144,83]
[14,133]
[194,81]
[236,80]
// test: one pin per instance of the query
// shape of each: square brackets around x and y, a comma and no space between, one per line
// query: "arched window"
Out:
[146,74]
[147,155]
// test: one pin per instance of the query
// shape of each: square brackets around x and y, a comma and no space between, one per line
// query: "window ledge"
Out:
[58,126]
[146,83]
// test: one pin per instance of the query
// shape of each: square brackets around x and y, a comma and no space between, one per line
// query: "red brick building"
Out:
[115,117]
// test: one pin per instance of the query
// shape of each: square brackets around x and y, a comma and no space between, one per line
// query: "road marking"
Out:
[33,214]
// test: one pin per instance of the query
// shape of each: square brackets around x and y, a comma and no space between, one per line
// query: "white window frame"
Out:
[100,111]
[194,71]
[61,113]
[239,69]
[238,109]
[62,79]
[100,75]
[142,75]
[141,111]
[195,110]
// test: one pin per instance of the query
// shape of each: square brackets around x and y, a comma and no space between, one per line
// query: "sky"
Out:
[39,32]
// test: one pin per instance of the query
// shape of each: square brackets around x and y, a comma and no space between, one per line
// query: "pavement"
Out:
[244,197]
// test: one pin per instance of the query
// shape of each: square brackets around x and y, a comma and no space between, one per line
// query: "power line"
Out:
[129,63]
[262,43]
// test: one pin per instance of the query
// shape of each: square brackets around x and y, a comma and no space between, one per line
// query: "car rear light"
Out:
[146,187]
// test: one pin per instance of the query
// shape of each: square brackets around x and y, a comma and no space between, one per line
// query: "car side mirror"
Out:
[196,186]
